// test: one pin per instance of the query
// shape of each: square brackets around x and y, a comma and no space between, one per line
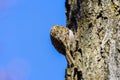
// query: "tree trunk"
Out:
[96,50]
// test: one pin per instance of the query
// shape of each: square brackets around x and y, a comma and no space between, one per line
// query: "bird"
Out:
[61,38]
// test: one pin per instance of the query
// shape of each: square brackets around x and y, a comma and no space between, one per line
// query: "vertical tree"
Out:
[92,49]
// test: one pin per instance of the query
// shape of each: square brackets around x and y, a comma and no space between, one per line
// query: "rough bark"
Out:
[96,46]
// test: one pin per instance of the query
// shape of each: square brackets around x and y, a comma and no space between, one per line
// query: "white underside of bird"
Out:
[71,36]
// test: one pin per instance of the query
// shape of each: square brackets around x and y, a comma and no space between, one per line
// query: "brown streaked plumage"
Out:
[60,39]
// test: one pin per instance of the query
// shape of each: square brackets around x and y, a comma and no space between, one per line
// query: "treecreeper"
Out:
[63,40]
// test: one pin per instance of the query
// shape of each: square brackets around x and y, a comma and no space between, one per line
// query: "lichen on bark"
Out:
[96,51]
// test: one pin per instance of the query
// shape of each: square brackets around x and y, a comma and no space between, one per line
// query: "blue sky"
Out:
[26,52]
